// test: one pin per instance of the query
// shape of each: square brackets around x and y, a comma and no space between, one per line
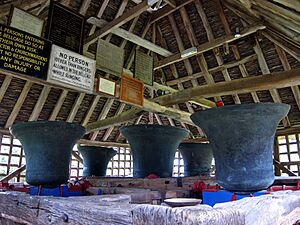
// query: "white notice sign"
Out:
[71,70]
[107,86]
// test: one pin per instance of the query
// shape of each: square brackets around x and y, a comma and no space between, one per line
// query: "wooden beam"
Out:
[13,174]
[110,130]
[99,15]
[286,65]
[171,3]
[220,68]
[238,86]
[77,156]
[58,105]
[283,168]
[13,115]
[234,48]
[265,70]
[102,144]
[75,107]
[4,86]
[91,110]
[102,115]
[84,6]
[129,15]
[23,4]
[293,4]
[165,11]
[208,46]
[132,38]
[281,11]
[276,39]
[39,104]
[210,37]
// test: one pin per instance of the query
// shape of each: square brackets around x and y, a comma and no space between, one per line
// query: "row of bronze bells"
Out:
[241,138]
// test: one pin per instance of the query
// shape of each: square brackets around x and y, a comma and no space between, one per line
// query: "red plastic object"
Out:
[233,197]
[219,104]
[284,187]
[152,176]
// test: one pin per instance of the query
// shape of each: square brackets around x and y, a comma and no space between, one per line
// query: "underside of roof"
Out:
[269,43]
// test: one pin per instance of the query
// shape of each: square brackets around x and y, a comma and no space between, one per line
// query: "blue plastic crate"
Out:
[212,198]
[33,190]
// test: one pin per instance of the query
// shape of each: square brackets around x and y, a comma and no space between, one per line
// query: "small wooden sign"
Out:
[143,67]
[132,91]
[65,27]
[71,69]
[25,21]
[106,86]
[109,58]
[23,53]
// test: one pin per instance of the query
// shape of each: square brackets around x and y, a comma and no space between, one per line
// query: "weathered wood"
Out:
[165,11]
[132,37]
[75,107]
[13,115]
[113,209]
[40,103]
[77,156]
[58,105]
[84,6]
[208,46]
[4,86]
[243,85]
[13,174]
[220,68]
[129,15]
[283,168]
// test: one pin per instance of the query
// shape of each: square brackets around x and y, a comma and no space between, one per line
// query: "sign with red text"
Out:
[72,70]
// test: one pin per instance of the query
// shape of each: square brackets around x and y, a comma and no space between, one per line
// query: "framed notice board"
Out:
[23,53]
[144,67]
[109,58]
[65,27]
[25,21]
[132,91]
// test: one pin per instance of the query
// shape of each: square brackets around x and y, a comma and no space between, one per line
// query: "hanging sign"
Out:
[65,27]
[132,91]
[106,86]
[144,67]
[23,53]
[71,70]
[109,58]
[25,21]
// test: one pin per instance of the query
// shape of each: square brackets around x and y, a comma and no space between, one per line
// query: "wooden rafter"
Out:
[238,86]
[129,15]
[58,105]
[265,70]
[286,65]
[220,68]
[165,11]
[75,107]
[210,37]
[209,46]
[133,38]
[234,48]
[84,6]
[4,86]
[40,103]
[13,115]
[91,110]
